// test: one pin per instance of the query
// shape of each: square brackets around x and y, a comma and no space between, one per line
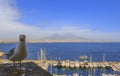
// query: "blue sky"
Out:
[100,14]
[85,20]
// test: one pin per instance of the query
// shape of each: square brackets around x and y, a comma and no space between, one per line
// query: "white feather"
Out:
[20,51]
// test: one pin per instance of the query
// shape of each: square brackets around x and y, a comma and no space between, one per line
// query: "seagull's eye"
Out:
[24,36]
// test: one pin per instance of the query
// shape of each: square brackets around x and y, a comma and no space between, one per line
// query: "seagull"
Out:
[19,53]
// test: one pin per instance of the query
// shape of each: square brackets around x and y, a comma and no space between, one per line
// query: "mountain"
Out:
[63,38]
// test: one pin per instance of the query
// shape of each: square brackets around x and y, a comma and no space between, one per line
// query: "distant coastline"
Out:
[61,41]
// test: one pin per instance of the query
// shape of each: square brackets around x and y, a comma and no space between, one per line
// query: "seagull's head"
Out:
[22,37]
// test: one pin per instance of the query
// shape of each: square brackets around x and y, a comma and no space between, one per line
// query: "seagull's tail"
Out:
[7,55]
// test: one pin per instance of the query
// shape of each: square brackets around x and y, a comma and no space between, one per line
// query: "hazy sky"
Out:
[93,20]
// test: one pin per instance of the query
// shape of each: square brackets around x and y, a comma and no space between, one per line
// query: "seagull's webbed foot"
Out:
[15,71]
[20,71]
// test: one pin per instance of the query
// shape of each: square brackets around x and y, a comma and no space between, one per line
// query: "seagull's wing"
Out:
[11,52]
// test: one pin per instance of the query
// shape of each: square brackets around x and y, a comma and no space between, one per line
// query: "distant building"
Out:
[42,54]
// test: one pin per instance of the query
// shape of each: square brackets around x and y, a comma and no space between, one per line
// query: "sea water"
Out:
[72,51]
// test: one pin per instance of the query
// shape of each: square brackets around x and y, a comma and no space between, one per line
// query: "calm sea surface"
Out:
[71,51]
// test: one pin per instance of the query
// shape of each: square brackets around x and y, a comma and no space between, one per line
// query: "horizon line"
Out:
[60,41]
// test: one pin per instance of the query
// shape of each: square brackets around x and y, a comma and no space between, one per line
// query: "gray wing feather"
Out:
[11,52]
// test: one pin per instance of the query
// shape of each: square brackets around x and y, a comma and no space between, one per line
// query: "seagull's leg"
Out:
[14,65]
[20,70]
[14,70]
[20,65]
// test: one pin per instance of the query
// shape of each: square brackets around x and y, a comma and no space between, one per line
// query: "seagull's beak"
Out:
[22,39]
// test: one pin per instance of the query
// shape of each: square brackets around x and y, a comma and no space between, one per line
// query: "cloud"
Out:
[66,36]
[74,28]
[11,27]
[7,10]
